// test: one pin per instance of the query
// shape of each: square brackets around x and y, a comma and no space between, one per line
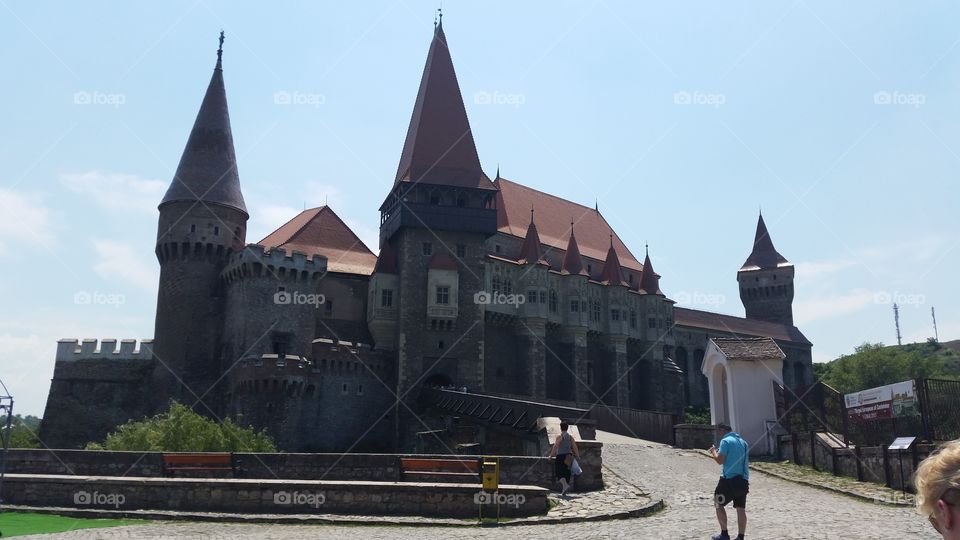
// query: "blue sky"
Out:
[840,120]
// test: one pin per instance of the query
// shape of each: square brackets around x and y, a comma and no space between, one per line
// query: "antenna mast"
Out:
[896,321]
[936,334]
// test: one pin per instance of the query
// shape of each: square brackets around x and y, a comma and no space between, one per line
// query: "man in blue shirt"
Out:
[734,483]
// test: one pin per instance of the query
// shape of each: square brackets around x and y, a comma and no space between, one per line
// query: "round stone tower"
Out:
[766,281]
[202,221]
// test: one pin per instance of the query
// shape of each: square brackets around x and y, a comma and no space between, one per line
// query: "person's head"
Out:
[938,489]
[564,426]
[723,429]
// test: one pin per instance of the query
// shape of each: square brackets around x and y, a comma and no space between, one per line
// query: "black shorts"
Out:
[561,469]
[732,489]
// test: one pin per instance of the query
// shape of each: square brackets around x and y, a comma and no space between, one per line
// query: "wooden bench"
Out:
[186,462]
[462,469]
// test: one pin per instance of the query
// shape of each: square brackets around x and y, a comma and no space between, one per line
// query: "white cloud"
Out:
[117,191]
[121,261]
[831,306]
[23,220]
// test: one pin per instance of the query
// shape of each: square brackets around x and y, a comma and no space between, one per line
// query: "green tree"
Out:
[180,429]
[23,431]
[873,364]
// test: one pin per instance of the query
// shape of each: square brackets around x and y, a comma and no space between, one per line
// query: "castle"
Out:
[480,283]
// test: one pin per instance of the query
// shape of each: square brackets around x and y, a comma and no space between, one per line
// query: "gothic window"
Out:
[386,298]
[615,314]
[633,319]
[531,297]
[193,227]
[652,322]
[553,301]
[574,306]
[216,231]
[543,297]
[496,248]
[583,306]
[595,312]
[443,295]
[343,389]
[427,248]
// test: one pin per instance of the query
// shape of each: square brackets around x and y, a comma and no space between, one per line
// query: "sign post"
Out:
[900,444]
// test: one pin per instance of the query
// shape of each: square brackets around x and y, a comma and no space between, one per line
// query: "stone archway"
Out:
[721,394]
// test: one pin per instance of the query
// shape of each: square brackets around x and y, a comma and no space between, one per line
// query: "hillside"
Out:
[874,364]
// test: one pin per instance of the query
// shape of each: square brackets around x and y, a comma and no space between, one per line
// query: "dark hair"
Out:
[564,426]
[722,425]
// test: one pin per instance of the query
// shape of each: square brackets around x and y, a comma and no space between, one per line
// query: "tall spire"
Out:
[208,165]
[649,280]
[572,261]
[612,272]
[531,252]
[764,255]
[439,147]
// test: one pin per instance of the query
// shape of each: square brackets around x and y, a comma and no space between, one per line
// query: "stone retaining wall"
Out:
[262,496]
[694,436]
[535,471]
[867,463]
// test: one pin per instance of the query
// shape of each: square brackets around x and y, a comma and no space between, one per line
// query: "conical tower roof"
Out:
[531,252]
[612,272]
[208,165]
[439,148]
[764,255]
[572,261]
[649,280]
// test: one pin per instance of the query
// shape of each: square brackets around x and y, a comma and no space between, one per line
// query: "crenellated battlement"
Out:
[71,350]
[255,260]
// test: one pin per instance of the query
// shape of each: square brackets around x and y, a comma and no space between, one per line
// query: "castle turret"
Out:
[202,221]
[766,281]
[441,204]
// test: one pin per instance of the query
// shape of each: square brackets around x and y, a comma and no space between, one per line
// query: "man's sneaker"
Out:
[721,536]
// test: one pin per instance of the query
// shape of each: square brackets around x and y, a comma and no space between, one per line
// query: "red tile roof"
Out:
[439,148]
[319,231]
[572,261]
[553,222]
[729,324]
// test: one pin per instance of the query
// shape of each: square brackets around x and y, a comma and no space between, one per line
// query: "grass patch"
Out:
[20,523]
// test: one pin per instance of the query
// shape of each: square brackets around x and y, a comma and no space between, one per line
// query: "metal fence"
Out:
[819,407]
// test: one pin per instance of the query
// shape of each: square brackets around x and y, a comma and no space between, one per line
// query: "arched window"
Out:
[553,301]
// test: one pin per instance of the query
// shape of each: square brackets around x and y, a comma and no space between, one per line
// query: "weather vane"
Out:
[220,49]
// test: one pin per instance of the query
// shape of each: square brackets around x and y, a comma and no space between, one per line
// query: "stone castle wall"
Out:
[95,388]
